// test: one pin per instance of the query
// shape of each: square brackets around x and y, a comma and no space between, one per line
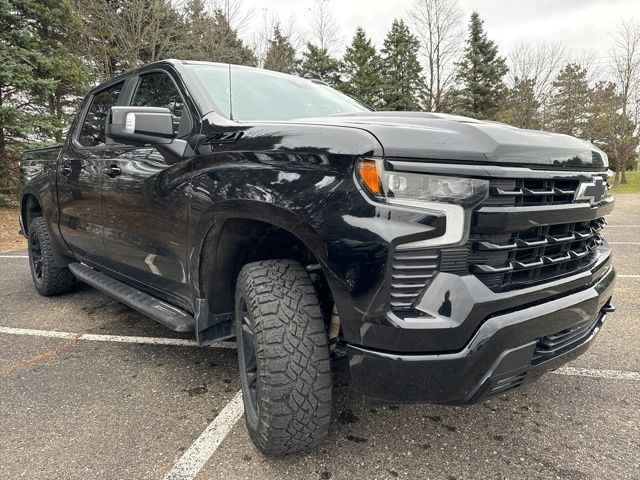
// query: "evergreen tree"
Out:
[281,56]
[117,35]
[39,77]
[521,109]
[316,61]
[569,101]
[609,128]
[219,41]
[479,76]
[361,70]
[401,70]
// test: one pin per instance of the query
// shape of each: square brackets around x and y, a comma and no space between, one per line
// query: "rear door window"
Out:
[92,133]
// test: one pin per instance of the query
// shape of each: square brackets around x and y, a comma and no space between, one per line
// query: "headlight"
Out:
[455,196]
[396,187]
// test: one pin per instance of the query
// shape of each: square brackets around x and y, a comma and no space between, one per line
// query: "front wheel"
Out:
[283,357]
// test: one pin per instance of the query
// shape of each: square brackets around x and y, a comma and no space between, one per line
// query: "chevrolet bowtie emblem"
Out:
[592,191]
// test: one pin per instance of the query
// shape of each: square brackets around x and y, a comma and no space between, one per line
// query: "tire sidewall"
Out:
[251,415]
[34,232]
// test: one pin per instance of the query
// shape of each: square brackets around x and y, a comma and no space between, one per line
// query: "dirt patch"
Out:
[10,239]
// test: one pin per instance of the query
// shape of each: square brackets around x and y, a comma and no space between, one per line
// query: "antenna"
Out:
[228,12]
[230,95]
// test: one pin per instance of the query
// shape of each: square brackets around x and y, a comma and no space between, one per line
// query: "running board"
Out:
[160,311]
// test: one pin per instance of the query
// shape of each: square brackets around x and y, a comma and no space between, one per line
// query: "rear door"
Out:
[145,199]
[80,174]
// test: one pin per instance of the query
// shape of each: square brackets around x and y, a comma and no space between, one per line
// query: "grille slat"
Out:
[506,384]
[564,340]
[411,271]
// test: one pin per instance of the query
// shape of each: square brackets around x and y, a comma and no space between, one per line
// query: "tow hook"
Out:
[608,308]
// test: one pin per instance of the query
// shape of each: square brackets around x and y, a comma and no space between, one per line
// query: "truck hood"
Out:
[434,136]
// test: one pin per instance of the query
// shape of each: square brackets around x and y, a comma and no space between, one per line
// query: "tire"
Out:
[48,278]
[286,383]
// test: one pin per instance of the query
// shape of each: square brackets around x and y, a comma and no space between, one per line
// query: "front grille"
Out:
[560,342]
[506,384]
[518,259]
[525,192]
[507,260]
[523,251]
[411,271]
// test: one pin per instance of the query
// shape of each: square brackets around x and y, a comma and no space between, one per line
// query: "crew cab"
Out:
[449,259]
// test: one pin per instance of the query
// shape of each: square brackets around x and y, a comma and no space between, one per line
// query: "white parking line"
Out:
[109,338]
[628,276]
[598,373]
[192,461]
[14,256]
[624,243]
[622,226]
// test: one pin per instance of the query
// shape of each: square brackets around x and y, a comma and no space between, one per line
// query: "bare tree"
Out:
[238,16]
[626,72]
[438,24]
[115,40]
[263,34]
[538,64]
[324,29]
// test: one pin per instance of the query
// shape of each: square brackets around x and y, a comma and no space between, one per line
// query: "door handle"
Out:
[65,169]
[113,171]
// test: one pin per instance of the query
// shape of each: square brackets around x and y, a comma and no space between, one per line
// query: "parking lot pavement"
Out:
[564,428]
[98,398]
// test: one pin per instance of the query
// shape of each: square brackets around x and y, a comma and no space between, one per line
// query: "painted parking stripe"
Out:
[622,226]
[109,338]
[624,243]
[627,276]
[192,461]
[598,373]
[14,256]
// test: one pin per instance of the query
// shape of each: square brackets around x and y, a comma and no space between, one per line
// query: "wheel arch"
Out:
[30,207]
[248,232]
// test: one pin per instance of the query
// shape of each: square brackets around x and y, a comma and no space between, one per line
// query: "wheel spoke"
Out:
[249,353]
[36,256]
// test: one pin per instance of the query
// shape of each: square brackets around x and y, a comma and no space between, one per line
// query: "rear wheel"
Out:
[48,278]
[283,357]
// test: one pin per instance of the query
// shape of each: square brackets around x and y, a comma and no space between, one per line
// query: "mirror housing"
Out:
[140,126]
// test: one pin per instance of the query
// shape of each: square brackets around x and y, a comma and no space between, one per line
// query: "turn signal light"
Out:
[370,176]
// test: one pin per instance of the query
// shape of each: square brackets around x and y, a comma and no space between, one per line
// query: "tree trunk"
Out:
[3,142]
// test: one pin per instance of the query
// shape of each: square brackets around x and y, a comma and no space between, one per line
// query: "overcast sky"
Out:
[582,25]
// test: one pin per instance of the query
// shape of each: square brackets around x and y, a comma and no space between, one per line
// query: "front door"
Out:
[145,201]
[80,174]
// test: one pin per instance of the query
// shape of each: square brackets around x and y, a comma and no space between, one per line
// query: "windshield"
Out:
[266,95]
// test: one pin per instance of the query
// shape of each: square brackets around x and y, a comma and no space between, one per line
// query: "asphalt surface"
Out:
[122,408]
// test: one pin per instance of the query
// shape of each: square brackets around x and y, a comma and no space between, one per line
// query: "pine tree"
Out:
[521,109]
[480,75]
[40,79]
[117,35]
[281,56]
[316,61]
[608,127]
[402,73]
[361,70]
[569,101]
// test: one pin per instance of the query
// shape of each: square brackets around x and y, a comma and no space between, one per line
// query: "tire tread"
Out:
[293,356]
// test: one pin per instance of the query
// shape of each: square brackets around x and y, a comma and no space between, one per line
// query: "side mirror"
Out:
[140,126]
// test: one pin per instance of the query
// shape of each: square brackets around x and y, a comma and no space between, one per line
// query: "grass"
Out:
[632,185]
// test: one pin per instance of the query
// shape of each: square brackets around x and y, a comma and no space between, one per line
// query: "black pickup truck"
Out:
[450,259]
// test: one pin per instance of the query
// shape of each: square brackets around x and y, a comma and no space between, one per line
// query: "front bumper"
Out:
[506,351]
